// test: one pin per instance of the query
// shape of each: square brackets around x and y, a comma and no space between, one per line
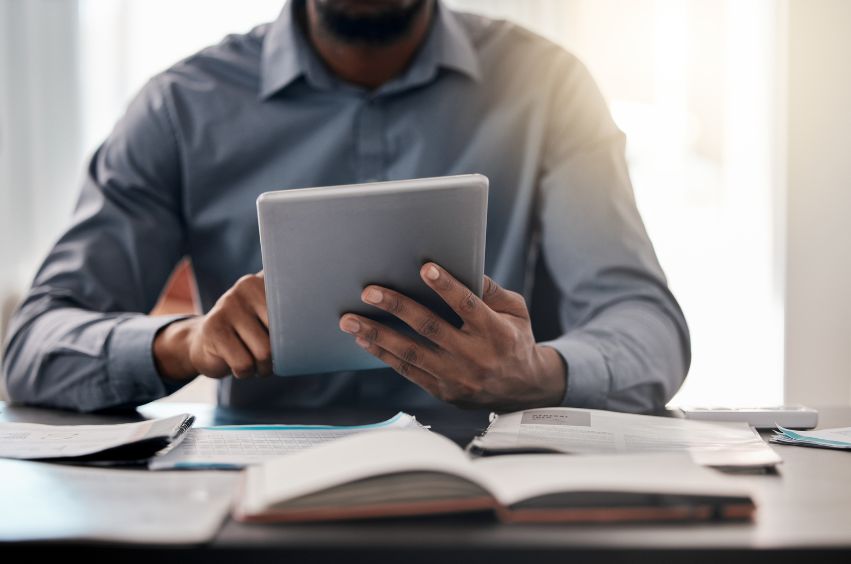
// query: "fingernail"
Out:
[361,342]
[432,273]
[350,325]
[373,296]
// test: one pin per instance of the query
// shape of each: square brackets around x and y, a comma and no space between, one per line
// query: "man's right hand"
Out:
[232,338]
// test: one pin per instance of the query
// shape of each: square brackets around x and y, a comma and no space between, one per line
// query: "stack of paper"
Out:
[825,438]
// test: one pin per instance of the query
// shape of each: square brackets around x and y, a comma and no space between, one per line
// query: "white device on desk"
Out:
[789,416]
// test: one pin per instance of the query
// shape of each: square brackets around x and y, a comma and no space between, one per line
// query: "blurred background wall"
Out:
[736,112]
[818,269]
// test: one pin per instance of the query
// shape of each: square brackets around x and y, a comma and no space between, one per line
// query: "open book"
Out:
[416,472]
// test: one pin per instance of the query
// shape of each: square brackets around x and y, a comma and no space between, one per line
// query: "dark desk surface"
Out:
[807,507]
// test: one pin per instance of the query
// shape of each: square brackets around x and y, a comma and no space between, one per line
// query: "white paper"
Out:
[36,441]
[42,501]
[518,477]
[237,446]
[588,431]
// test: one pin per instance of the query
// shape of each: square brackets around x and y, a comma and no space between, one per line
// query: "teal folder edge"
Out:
[303,427]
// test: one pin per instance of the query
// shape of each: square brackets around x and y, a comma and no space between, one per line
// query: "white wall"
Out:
[818,285]
[40,152]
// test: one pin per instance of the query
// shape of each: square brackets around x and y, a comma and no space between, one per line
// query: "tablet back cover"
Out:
[322,246]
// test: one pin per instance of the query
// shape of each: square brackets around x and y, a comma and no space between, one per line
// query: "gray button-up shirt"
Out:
[180,173]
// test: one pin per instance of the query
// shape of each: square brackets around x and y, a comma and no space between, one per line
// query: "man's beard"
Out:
[379,26]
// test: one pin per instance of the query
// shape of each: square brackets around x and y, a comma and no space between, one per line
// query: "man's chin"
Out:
[369,21]
[366,8]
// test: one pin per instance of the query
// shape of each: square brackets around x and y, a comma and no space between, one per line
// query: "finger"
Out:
[231,349]
[410,371]
[416,316]
[504,301]
[252,295]
[258,300]
[469,307]
[403,347]
[255,337]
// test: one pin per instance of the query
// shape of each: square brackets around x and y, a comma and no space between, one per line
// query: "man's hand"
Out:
[233,338]
[491,361]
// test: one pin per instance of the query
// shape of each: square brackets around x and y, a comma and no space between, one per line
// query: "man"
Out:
[337,92]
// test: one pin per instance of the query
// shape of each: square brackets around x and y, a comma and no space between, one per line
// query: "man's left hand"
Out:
[491,361]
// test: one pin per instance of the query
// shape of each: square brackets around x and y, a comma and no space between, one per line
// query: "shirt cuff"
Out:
[133,373]
[587,373]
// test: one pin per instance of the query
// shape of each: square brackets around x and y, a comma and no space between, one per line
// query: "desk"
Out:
[804,512]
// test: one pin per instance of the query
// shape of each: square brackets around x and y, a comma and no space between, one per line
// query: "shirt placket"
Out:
[370,142]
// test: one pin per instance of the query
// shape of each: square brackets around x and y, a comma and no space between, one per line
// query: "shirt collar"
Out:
[287,55]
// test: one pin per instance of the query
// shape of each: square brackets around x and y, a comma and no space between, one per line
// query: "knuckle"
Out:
[482,369]
[214,327]
[395,304]
[491,287]
[429,327]
[244,281]
[411,355]
[502,334]
[371,334]
[229,301]
[519,301]
[468,302]
[404,368]
[208,349]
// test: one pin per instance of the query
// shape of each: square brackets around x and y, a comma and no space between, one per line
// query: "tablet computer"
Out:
[322,246]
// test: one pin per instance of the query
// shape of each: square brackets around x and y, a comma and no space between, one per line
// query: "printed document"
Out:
[237,446]
[589,431]
[34,441]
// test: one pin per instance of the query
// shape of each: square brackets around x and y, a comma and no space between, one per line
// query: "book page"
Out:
[349,459]
[54,502]
[589,431]
[519,477]
[237,446]
[37,441]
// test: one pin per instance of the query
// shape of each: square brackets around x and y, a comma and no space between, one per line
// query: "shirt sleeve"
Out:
[625,343]
[81,339]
